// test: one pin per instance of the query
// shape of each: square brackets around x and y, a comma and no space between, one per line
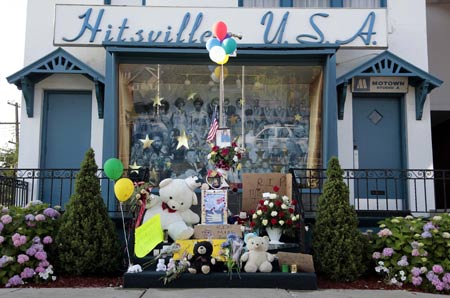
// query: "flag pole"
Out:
[221,94]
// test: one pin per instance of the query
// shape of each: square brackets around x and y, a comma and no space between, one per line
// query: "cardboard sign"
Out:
[254,185]
[216,231]
[304,262]
[187,247]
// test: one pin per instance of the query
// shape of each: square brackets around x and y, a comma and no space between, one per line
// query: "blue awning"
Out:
[58,61]
[387,64]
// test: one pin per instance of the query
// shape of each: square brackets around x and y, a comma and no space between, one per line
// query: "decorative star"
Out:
[153,175]
[242,102]
[298,117]
[135,168]
[233,119]
[191,95]
[146,142]
[182,140]
[157,101]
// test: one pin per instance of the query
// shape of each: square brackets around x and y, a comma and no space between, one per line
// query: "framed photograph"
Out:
[223,137]
[214,206]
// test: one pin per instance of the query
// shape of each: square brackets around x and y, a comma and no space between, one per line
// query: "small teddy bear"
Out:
[201,260]
[257,257]
[161,266]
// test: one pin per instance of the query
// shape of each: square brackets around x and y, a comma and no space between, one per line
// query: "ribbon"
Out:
[170,210]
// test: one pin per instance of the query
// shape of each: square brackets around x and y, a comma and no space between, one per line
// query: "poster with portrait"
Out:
[214,206]
[223,137]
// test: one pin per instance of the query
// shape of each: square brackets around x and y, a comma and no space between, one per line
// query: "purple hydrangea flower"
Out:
[40,217]
[44,264]
[39,269]
[428,226]
[41,255]
[31,251]
[1,227]
[6,219]
[415,244]
[403,262]
[430,275]
[36,239]
[22,258]
[415,271]
[387,252]
[438,269]
[14,281]
[5,260]
[446,278]
[50,212]
[426,235]
[416,280]
[2,239]
[47,240]
[376,255]
[415,252]
[29,217]
[27,273]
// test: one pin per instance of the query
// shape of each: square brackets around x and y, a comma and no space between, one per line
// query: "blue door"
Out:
[378,144]
[66,137]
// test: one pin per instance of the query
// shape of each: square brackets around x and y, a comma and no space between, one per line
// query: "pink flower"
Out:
[39,269]
[415,252]
[44,264]
[387,252]
[47,240]
[438,269]
[376,255]
[40,217]
[6,219]
[27,273]
[22,259]
[416,280]
[41,255]
[384,233]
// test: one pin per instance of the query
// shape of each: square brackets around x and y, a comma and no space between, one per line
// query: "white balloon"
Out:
[217,54]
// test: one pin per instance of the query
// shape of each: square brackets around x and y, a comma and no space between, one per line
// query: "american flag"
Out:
[213,128]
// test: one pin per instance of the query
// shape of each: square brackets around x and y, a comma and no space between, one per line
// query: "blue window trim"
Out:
[383,3]
[117,54]
[107,2]
[240,3]
[286,3]
[336,3]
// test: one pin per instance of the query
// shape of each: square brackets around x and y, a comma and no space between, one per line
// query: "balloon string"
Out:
[125,235]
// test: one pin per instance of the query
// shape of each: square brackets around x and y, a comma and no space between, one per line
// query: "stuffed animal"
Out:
[172,202]
[201,260]
[161,266]
[257,257]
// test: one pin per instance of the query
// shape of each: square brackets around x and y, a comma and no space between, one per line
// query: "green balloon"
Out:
[229,45]
[113,168]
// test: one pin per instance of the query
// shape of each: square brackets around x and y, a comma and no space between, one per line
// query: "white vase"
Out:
[274,235]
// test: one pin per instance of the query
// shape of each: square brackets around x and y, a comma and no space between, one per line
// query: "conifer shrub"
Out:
[337,242]
[87,242]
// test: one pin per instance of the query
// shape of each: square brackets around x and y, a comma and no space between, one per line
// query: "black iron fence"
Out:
[371,191]
[381,191]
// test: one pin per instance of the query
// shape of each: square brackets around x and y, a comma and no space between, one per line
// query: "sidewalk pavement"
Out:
[199,293]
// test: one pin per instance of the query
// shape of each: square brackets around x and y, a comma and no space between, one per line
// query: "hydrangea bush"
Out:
[414,250]
[25,236]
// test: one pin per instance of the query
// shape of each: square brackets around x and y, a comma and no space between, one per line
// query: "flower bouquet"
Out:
[231,250]
[226,158]
[275,211]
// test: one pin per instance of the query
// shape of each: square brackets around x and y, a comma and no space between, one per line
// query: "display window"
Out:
[166,110]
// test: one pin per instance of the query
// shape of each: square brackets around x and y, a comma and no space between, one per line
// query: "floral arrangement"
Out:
[26,235]
[276,211]
[415,251]
[226,158]
[140,200]
[231,251]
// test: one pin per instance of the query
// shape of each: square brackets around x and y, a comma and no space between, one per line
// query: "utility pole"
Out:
[16,123]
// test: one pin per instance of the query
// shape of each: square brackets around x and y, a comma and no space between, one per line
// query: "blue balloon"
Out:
[212,43]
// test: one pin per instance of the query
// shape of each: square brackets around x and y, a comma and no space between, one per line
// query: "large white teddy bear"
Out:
[257,258]
[175,198]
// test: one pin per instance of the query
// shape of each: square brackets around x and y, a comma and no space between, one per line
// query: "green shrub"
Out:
[26,237]
[415,250]
[337,242]
[87,242]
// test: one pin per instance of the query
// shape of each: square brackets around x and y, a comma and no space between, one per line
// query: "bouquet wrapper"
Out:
[304,262]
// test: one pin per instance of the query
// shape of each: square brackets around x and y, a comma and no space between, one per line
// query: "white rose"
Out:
[284,206]
[255,216]
[273,196]
[298,216]
[266,194]
[293,218]
[209,156]
[235,159]
[281,222]
[266,203]
[259,212]
[274,213]
[270,204]
[285,198]
[265,222]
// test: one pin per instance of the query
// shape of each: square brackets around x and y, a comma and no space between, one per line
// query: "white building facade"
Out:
[309,80]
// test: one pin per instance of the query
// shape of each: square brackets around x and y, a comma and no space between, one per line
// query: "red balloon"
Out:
[219,29]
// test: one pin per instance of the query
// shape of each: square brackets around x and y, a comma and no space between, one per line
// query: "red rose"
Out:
[251,211]
[264,208]
[261,202]
[291,210]
[215,148]
[225,151]
[273,221]
[276,188]
[252,224]
[239,156]
[280,214]
[234,144]
[289,222]
[278,203]
[294,202]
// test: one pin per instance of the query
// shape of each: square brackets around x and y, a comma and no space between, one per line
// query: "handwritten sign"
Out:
[216,231]
[253,186]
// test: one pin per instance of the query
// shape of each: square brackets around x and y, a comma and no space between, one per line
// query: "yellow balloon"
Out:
[225,60]
[217,72]
[123,189]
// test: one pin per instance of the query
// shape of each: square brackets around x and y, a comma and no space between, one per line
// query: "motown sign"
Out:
[380,84]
